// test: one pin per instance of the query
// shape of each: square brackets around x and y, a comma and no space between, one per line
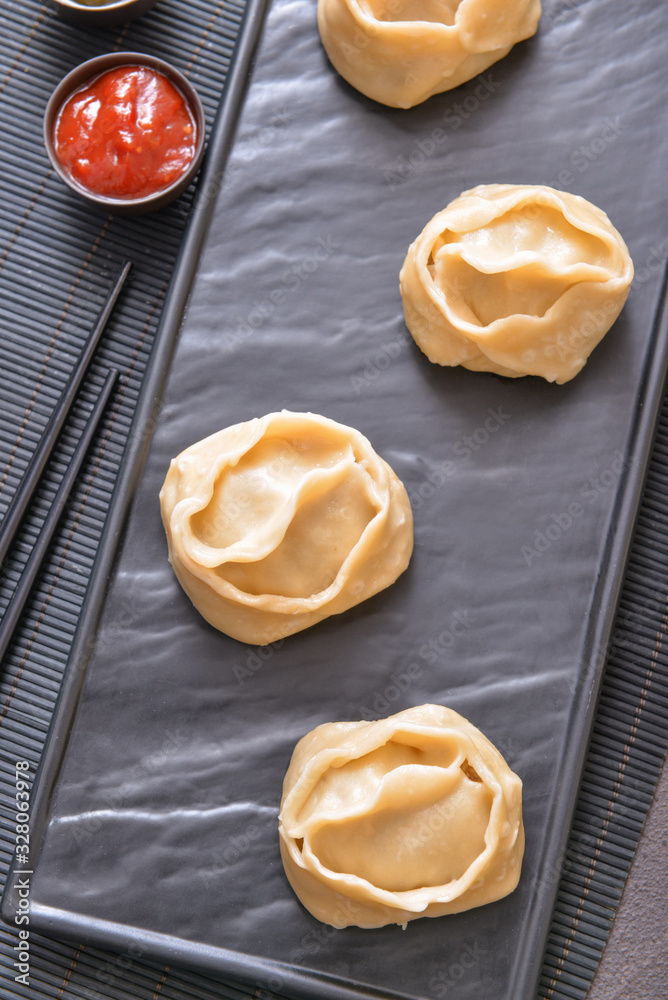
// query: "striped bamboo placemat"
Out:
[57,260]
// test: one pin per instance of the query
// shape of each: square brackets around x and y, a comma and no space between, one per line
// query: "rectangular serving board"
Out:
[156,803]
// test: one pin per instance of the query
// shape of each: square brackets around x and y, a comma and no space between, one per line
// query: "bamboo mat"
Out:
[57,260]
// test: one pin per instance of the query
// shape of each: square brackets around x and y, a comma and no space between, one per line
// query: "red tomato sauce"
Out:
[126,134]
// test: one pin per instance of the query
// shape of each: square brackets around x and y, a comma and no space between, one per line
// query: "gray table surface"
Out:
[635,961]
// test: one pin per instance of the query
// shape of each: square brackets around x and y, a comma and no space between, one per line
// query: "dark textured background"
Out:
[53,285]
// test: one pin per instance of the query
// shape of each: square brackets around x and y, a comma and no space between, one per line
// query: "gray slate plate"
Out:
[160,788]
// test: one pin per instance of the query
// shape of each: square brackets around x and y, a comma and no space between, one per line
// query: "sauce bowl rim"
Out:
[90,70]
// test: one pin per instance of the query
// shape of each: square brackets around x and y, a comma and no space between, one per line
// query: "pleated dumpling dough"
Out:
[413,816]
[515,279]
[400,52]
[277,523]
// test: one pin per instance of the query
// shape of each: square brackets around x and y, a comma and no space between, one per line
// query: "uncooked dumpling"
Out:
[413,816]
[400,52]
[515,279]
[279,522]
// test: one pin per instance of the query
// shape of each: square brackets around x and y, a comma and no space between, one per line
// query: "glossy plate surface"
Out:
[162,828]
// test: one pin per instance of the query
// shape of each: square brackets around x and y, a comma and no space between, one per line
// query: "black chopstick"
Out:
[18,599]
[21,499]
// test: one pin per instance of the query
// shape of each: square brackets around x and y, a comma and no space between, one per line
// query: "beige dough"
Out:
[413,816]
[400,52]
[274,524]
[515,279]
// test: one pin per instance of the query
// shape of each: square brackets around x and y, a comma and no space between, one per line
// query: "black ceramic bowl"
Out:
[92,15]
[87,72]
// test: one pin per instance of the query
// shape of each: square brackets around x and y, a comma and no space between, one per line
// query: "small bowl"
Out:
[86,73]
[115,12]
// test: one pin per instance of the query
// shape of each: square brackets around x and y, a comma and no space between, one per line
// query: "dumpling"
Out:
[400,52]
[417,815]
[279,522]
[515,279]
